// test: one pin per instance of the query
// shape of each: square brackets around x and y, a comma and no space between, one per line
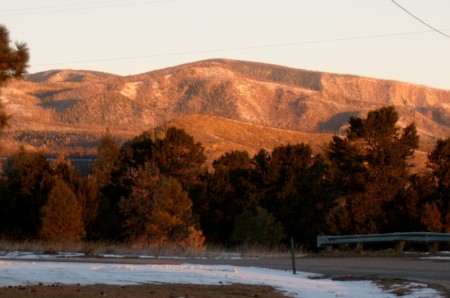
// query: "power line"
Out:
[79,6]
[429,26]
[274,45]
[58,6]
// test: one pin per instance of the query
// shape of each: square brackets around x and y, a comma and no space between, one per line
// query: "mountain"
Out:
[225,104]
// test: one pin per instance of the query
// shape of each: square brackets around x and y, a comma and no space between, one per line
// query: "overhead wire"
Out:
[79,6]
[420,20]
[273,45]
[57,6]
[119,3]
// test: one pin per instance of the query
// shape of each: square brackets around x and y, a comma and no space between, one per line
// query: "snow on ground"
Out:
[26,272]
[443,256]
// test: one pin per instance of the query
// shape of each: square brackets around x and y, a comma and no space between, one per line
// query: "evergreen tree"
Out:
[174,155]
[179,156]
[171,216]
[90,193]
[107,159]
[13,60]
[133,154]
[61,216]
[406,212]
[13,63]
[439,163]
[297,191]
[159,211]
[137,207]
[230,192]
[29,179]
[89,196]
[371,169]
[64,170]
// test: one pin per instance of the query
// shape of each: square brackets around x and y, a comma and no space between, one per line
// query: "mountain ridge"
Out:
[288,99]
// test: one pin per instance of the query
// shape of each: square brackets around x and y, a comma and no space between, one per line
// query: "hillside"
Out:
[268,104]
[219,135]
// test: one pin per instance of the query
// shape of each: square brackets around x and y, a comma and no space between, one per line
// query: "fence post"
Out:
[294,270]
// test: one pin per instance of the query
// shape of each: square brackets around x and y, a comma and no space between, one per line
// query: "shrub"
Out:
[257,227]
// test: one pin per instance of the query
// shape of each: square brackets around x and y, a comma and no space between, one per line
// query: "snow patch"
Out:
[130,89]
[15,273]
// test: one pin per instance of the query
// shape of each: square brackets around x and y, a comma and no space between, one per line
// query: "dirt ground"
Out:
[147,290]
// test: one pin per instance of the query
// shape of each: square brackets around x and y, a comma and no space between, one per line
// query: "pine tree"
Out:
[158,211]
[137,207]
[13,63]
[230,192]
[61,216]
[439,163]
[90,194]
[107,159]
[108,223]
[174,155]
[297,192]
[170,219]
[179,156]
[29,179]
[14,60]
[371,170]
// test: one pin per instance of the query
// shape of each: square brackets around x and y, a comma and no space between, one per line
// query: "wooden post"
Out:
[433,248]
[294,270]
[359,247]
[400,246]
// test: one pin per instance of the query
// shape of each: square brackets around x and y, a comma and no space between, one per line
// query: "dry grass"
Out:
[91,249]
[220,135]
[105,249]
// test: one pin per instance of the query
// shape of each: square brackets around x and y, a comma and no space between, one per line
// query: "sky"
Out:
[18,273]
[373,38]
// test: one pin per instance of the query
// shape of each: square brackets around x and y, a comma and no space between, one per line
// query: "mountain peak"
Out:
[265,95]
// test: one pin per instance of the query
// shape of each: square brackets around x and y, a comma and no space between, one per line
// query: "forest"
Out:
[158,190]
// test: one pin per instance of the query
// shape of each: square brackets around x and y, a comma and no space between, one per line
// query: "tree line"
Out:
[156,189]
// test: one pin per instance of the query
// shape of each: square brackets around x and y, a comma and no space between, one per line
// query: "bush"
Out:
[257,227]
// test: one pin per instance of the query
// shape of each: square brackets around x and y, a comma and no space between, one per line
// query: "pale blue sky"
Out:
[372,38]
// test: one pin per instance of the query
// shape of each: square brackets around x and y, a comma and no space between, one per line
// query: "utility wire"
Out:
[274,45]
[79,6]
[429,26]
[57,6]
